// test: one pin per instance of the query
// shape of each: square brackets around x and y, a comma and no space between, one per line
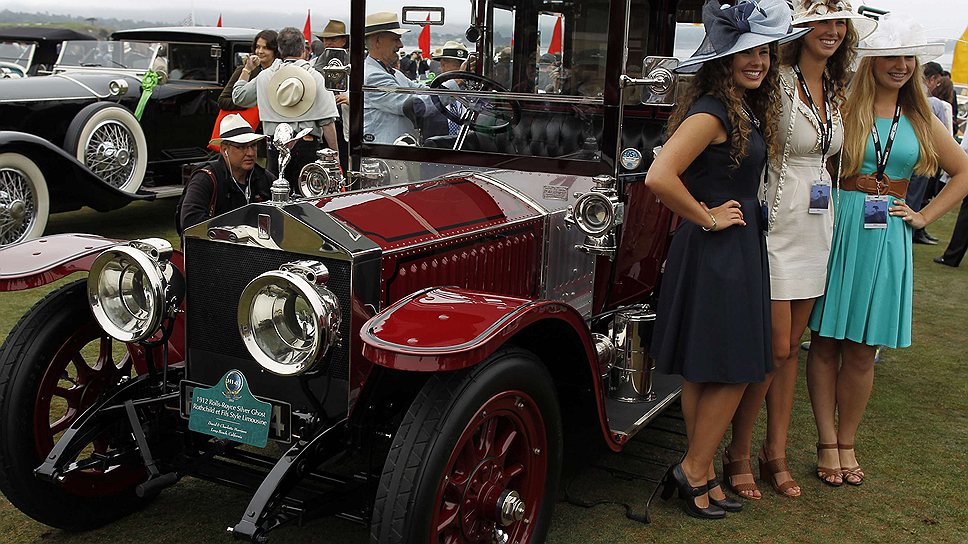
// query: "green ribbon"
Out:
[148,84]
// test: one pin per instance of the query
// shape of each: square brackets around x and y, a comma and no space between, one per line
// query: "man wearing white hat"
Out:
[335,36]
[290,91]
[384,119]
[228,182]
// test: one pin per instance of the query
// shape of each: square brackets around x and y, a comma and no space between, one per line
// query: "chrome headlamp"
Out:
[288,319]
[131,288]
[322,177]
[597,214]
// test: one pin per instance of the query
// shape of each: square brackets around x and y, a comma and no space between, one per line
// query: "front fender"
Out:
[71,185]
[442,329]
[38,262]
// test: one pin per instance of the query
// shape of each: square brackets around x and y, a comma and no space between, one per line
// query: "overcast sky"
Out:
[941,18]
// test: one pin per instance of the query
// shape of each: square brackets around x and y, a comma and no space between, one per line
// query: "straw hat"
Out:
[809,11]
[897,38]
[235,129]
[334,29]
[292,91]
[383,21]
[748,24]
[451,50]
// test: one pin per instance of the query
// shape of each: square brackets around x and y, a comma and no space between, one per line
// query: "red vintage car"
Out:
[405,353]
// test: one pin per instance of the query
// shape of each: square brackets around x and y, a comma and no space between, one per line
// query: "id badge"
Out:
[819,197]
[764,216]
[875,212]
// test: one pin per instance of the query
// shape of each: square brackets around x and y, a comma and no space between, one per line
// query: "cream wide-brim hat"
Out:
[383,21]
[234,128]
[453,50]
[809,11]
[292,91]
[894,38]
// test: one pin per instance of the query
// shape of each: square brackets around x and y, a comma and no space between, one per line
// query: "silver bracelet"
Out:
[712,228]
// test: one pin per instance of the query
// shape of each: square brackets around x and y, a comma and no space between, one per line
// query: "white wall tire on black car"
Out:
[107,139]
[24,200]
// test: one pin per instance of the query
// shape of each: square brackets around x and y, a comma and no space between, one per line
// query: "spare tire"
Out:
[107,139]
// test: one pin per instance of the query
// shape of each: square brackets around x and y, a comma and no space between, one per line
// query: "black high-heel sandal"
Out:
[727,504]
[676,480]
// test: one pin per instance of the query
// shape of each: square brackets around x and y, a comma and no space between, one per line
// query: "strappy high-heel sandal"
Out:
[676,480]
[727,504]
[769,468]
[825,473]
[851,472]
[735,468]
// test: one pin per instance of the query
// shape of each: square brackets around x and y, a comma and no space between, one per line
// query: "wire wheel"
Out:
[111,153]
[23,199]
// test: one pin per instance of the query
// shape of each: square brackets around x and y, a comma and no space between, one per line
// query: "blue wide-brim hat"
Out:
[748,24]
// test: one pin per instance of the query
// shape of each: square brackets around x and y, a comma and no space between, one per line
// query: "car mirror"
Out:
[660,81]
[334,64]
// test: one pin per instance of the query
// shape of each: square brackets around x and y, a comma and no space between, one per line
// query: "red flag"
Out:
[555,46]
[219,23]
[307,33]
[424,41]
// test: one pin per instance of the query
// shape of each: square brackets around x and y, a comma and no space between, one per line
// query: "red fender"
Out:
[448,328]
[38,262]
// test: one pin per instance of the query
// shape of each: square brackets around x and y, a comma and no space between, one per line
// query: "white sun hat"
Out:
[899,38]
[809,11]
[233,128]
[292,91]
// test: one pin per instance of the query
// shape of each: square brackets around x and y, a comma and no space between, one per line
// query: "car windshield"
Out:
[537,89]
[119,55]
[18,53]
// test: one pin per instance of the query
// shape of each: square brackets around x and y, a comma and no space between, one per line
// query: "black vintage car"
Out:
[72,139]
[33,50]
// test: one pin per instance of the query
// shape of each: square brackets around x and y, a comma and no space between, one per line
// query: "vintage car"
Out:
[408,353]
[72,139]
[33,50]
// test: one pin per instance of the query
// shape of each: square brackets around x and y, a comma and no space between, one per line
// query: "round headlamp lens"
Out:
[594,214]
[125,290]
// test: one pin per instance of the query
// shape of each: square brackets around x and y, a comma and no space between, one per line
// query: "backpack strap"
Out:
[211,204]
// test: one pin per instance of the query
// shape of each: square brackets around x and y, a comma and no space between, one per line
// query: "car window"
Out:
[18,53]
[97,54]
[192,61]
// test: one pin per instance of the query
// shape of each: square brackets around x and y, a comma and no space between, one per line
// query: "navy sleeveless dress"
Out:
[713,319]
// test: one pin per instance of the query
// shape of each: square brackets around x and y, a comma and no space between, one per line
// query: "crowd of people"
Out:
[792,158]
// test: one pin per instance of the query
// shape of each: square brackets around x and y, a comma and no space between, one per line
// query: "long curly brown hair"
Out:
[715,78]
[838,65]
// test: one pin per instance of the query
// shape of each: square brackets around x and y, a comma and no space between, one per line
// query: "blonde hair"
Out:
[859,118]
[715,78]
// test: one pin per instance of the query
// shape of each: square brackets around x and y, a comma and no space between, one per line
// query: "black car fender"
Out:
[70,184]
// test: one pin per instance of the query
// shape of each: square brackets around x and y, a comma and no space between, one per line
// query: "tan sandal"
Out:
[739,467]
[851,472]
[823,473]
[769,468]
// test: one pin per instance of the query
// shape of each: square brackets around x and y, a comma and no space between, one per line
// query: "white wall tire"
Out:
[24,200]
[109,140]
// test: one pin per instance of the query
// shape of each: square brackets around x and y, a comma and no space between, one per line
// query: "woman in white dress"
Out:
[797,195]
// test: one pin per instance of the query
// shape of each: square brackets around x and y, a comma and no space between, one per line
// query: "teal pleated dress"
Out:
[868,296]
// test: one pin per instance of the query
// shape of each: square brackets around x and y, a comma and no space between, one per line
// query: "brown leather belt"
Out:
[867,183]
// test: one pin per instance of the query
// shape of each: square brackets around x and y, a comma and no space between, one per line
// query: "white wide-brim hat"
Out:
[292,91]
[809,11]
[733,29]
[234,128]
[383,21]
[453,50]
[896,38]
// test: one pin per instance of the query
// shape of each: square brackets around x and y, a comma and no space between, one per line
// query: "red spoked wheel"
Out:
[54,364]
[476,458]
[495,478]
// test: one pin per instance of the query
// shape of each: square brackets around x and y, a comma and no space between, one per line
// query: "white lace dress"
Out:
[798,242]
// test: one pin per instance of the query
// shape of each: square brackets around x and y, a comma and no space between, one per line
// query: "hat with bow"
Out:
[748,24]
[897,38]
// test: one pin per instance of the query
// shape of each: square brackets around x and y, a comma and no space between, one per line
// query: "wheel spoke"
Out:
[485,443]
[64,422]
[72,395]
[449,514]
[506,441]
[85,373]
[513,472]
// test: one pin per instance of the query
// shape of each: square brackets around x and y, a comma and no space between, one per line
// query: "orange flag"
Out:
[307,33]
[555,46]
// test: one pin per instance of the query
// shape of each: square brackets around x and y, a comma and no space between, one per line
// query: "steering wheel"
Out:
[506,112]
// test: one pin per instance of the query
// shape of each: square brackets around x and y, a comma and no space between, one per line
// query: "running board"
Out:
[164,191]
[625,419]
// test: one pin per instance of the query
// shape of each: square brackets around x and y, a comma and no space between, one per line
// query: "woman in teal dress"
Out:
[890,133]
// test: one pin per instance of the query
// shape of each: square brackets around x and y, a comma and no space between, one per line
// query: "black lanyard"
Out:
[882,157]
[749,113]
[826,129]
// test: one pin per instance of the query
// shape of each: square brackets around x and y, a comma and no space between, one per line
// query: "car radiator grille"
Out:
[216,275]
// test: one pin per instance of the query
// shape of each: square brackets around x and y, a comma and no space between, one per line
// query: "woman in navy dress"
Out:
[713,323]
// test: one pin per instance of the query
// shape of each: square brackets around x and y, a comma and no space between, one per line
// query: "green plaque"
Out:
[229,410]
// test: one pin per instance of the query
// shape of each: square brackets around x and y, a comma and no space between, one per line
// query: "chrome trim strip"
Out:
[521,97]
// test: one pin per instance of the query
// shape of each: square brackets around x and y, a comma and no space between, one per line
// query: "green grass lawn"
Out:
[912,445]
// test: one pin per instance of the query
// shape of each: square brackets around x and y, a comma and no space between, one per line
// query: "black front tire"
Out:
[508,402]
[41,360]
